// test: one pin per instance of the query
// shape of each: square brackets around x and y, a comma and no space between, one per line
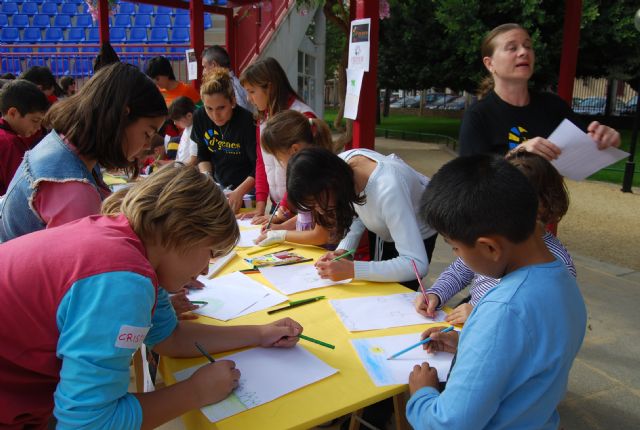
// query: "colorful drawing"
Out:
[375,351]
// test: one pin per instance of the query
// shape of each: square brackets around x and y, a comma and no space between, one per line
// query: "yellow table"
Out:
[349,390]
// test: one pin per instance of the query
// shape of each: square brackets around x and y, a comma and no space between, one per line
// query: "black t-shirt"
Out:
[231,149]
[492,125]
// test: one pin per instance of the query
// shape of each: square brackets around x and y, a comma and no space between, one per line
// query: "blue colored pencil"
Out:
[422,342]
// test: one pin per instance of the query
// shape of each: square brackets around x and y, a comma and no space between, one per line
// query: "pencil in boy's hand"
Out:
[204,352]
[346,254]
[424,292]
[319,342]
[422,342]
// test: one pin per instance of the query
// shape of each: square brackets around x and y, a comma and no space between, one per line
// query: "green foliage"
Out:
[336,42]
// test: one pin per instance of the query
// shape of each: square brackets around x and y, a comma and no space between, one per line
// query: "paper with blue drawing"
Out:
[380,312]
[266,374]
[374,351]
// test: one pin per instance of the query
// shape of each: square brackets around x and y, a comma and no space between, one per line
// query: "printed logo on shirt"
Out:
[131,337]
[517,135]
[215,143]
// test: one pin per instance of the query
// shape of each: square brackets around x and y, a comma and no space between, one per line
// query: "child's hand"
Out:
[271,237]
[194,284]
[335,270]
[235,200]
[542,147]
[282,333]
[181,305]
[214,382]
[423,376]
[423,309]
[330,256]
[446,342]
[260,219]
[460,314]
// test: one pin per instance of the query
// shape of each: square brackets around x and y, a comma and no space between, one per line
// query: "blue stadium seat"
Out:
[53,35]
[11,65]
[121,20]
[117,34]
[69,8]
[41,21]
[76,35]
[47,49]
[126,8]
[73,49]
[137,35]
[134,49]
[82,67]
[84,20]
[9,8]
[160,50]
[23,48]
[142,21]
[164,10]
[62,21]
[4,20]
[182,12]
[146,9]
[19,20]
[162,21]
[94,35]
[182,21]
[30,8]
[207,21]
[180,35]
[159,35]
[36,61]
[38,1]
[10,35]
[32,35]
[49,8]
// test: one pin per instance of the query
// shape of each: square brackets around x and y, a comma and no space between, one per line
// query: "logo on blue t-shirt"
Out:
[517,135]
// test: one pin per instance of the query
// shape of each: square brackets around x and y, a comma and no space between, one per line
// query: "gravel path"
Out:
[602,223]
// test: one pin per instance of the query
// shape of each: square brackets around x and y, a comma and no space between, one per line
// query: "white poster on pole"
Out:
[192,65]
[352,99]
[359,44]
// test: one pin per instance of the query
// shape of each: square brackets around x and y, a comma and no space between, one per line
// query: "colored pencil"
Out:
[199,302]
[204,352]
[422,342]
[275,211]
[262,248]
[289,263]
[319,342]
[346,254]
[424,292]
[295,304]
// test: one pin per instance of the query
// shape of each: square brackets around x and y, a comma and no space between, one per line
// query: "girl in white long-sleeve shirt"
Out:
[362,189]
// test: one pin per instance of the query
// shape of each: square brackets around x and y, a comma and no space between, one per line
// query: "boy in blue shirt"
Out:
[517,347]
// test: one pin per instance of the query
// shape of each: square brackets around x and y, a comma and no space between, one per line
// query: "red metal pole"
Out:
[103,20]
[196,12]
[364,131]
[570,40]
[230,39]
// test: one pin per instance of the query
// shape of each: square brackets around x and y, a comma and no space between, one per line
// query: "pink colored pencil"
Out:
[424,292]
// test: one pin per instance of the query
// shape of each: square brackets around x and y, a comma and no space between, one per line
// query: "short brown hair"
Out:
[179,207]
[553,197]
[94,119]
[289,127]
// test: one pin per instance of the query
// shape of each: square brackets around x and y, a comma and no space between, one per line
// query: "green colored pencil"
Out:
[319,342]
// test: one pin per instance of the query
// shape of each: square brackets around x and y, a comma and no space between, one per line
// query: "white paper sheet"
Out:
[374,351]
[296,278]
[266,375]
[246,224]
[580,155]
[352,99]
[360,44]
[217,265]
[378,312]
[227,295]
[271,299]
[247,237]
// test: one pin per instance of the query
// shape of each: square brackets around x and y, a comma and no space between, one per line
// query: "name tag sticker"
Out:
[131,337]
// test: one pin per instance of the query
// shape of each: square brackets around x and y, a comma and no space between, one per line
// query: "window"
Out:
[306,77]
